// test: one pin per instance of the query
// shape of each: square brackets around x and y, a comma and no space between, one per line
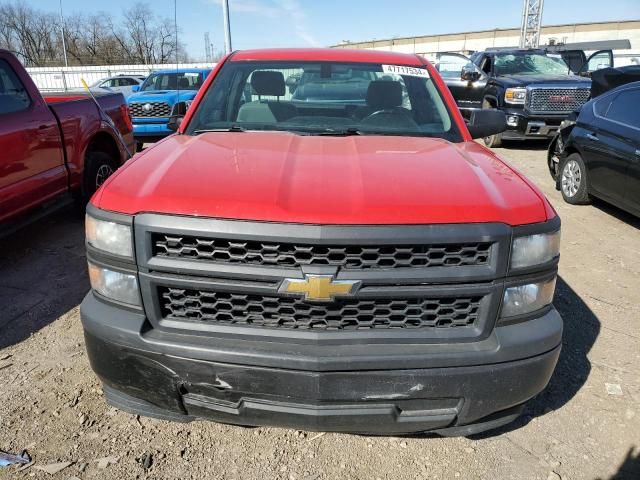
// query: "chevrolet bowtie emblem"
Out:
[319,287]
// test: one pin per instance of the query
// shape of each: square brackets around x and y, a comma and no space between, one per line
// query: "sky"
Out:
[316,23]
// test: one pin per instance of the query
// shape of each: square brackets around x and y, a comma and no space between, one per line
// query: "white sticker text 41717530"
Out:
[403,70]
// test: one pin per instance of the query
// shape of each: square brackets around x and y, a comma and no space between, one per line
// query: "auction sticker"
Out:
[408,71]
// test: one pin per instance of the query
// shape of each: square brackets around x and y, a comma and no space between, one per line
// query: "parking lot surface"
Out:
[585,425]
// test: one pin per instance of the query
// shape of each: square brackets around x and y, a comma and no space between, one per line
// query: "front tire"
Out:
[492,141]
[574,181]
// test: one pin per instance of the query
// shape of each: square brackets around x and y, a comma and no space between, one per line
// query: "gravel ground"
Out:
[584,426]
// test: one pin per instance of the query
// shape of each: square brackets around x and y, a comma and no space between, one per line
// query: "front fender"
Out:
[557,151]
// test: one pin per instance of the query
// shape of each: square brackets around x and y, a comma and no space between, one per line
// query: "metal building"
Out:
[467,42]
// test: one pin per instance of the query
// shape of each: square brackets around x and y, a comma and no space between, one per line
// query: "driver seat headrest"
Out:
[266,82]
[383,94]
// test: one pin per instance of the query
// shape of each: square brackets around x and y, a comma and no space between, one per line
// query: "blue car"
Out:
[151,104]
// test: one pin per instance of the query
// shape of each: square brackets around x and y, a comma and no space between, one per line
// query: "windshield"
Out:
[324,98]
[530,64]
[173,81]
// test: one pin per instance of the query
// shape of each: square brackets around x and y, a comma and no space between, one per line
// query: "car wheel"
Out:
[492,141]
[573,180]
[98,167]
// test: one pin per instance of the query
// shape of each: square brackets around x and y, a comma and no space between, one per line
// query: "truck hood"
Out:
[526,80]
[169,96]
[283,177]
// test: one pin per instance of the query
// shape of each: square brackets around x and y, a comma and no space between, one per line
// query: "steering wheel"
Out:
[390,111]
[398,116]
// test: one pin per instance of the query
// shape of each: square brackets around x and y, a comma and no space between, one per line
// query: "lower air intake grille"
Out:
[223,308]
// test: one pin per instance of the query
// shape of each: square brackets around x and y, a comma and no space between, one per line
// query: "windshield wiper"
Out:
[232,128]
[347,132]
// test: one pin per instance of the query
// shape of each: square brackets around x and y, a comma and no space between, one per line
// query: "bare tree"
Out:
[36,37]
[30,33]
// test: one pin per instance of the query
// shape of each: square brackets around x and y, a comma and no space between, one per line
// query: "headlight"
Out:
[110,237]
[118,286]
[523,299]
[530,250]
[515,95]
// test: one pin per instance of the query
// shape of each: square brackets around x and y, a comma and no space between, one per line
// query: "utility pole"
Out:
[531,21]
[207,47]
[64,42]
[227,26]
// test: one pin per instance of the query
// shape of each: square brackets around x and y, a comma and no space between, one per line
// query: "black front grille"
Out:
[150,109]
[296,255]
[224,308]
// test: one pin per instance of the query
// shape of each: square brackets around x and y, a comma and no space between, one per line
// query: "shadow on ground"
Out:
[581,328]
[43,274]
[629,468]
[616,212]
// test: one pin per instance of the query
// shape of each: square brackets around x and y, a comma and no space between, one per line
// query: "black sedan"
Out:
[597,151]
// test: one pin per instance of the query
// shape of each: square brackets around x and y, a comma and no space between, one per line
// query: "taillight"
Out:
[126,116]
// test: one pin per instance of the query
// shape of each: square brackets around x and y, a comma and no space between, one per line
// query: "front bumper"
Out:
[156,130]
[524,126]
[451,389]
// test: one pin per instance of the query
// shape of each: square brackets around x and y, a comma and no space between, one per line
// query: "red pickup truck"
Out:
[336,255]
[54,145]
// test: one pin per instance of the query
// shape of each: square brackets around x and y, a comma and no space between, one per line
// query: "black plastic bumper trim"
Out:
[381,401]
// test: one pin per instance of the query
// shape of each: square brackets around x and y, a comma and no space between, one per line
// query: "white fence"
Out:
[68,78]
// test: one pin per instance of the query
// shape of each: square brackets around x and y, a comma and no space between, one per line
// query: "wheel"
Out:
[492,141]
[97,168]
[573,180]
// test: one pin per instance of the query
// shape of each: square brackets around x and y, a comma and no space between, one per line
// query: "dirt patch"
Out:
[584,426]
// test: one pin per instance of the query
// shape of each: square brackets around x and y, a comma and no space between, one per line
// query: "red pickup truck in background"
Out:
[55,145]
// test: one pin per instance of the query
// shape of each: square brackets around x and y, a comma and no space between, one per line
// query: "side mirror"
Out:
[486,122]
[469,73]
[177,114]
[135,88]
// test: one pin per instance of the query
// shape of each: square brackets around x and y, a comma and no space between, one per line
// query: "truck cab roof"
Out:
[327,54]
[182,70]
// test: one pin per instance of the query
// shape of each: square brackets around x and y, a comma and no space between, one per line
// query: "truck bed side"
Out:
[83,128]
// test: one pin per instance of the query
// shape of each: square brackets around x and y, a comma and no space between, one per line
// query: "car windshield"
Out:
[173,81]
[530,64]
[325,98]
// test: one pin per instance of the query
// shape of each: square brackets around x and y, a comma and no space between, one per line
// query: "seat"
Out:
[267,83]
[183,83]
[384,106]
